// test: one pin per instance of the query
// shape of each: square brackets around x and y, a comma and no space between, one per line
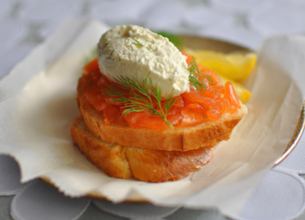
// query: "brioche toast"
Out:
[143,164]
[148,110]
[178,139]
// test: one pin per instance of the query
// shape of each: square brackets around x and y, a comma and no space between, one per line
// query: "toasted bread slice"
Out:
[159,166]
[181,139]
[110,158]
[144,164]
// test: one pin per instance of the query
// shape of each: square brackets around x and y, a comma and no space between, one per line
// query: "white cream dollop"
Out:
[120,54]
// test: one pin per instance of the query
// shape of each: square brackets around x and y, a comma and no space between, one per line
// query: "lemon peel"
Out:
[233,66]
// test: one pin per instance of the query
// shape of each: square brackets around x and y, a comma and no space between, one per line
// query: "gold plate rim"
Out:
[295,137]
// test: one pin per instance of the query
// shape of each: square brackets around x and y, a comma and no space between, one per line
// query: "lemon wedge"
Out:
[243,94]
[233,66]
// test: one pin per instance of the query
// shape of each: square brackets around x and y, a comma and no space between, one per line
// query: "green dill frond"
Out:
[110,55]
[139,97]
[170,102]
[195,74]
[138,44]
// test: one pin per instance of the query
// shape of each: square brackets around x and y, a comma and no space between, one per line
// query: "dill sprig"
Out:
[110,55]
[195,73]
[139,97]
[138,44]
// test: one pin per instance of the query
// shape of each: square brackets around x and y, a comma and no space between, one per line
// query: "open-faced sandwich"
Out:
[148,111]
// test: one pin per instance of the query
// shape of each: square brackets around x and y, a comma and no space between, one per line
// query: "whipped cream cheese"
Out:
[136,52]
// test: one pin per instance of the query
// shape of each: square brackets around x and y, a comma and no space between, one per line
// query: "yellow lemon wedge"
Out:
[233,66]
[242,93]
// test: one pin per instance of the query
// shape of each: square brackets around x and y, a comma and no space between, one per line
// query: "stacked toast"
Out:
[146,154]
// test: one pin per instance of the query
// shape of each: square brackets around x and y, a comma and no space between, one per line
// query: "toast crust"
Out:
[143,164]
[160,166]
[110,158]
[178,139]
